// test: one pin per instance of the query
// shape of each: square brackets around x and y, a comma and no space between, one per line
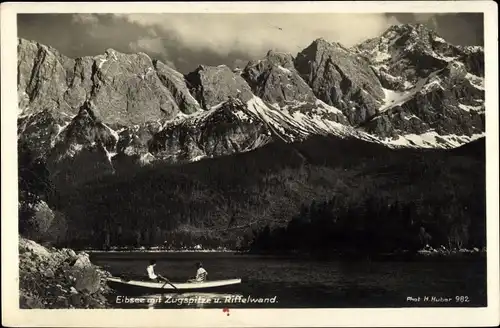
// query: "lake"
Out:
[283,282]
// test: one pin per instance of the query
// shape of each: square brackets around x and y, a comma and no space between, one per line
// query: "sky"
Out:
[185,41]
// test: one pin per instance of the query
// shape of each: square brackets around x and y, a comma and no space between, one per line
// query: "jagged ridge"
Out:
[406,88]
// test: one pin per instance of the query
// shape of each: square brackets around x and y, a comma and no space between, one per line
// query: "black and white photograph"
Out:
[231,161]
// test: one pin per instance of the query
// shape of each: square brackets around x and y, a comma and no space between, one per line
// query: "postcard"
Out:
[250,164]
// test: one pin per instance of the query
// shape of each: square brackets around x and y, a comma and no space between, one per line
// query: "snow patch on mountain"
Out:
[324,108]
[113,132]
[60,129]
[74,149]
[439,39]
[411,117]
[431,140]
[406,62]
[146,158]
[397,98]
[380,56]
[242,116]
[101,62]
[292,124]
[219,105]
[433,85]
[198,158]
[476,81]
[273,119]
[472,48]
[110,155]
[285,70]
[469,108]
[394,98]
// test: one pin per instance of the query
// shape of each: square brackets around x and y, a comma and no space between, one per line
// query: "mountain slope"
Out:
[131,151]
[226,198]
[432,89]
[407,88]
[275,80]
[340,79]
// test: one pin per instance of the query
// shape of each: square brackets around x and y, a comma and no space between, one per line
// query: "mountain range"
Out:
[115,114]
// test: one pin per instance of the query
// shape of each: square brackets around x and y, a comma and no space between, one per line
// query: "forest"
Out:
[326,193]
[376,226]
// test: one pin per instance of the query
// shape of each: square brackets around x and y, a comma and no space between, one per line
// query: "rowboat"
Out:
[152,286]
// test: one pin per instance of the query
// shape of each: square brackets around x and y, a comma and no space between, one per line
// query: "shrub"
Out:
[45,225]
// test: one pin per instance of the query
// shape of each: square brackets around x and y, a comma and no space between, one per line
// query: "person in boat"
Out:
[201,273]
[151,272]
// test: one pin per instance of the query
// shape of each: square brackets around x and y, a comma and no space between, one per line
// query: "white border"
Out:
[13,316]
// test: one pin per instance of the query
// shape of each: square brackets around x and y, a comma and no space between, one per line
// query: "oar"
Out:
[167,282]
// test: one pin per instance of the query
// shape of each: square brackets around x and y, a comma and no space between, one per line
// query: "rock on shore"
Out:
[52,278]
[444,252]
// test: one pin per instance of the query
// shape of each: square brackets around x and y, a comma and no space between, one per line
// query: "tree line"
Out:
[378,225]
[373,195]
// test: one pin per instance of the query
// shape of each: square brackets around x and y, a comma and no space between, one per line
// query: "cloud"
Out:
[85,19]
[462,28]
[255,34]
[148,45]
[189,40]
[154,47]
[241,63]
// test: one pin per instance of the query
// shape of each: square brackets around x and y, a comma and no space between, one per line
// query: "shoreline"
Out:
[148,251]
[418,256]
[421,255]
[59,278]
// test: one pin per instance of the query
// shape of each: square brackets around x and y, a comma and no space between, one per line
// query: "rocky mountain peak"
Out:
[340,78]
[232,102]
[129,107]
[37,64]
[175,82]
[275,79]
[418,70]
[283,59]
[408,28]
[320,42]
[419,35]
[406,53]
[126,89]
[110,51]
[87,110]
[211,85]
[399,40]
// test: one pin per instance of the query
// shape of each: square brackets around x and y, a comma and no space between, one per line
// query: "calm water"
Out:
[306,283]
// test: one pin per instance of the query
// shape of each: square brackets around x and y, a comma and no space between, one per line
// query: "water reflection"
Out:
[309,284]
